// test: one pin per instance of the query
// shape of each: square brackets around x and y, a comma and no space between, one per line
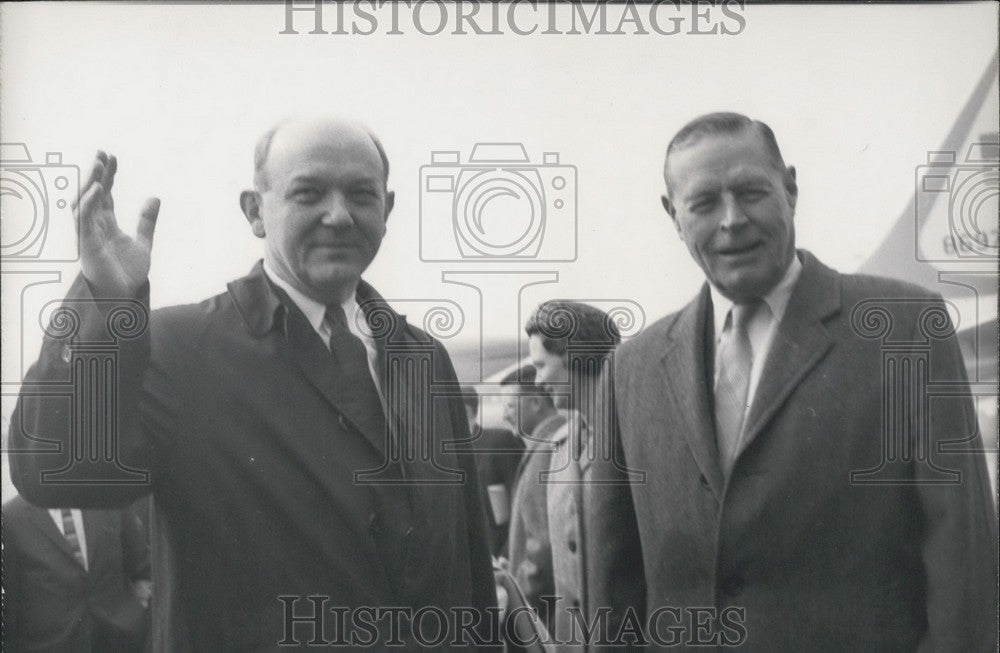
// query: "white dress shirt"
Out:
[762,326]
[56,514]
[315,312]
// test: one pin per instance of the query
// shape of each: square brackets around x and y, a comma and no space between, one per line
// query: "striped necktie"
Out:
[69,532]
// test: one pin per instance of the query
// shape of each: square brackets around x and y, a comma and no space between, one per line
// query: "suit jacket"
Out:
[268,484]
[498,453]
[52,603]
[530,550]
[826,536]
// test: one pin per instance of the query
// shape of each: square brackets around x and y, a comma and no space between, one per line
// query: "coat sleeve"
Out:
[13,567]
[614,566]
[484,592]
[75,434]
[135,547]
[959,544]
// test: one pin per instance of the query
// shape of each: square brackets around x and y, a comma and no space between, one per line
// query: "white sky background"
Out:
[855,94]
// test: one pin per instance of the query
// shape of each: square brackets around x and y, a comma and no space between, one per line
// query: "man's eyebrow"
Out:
[701,188]
[749,176]
[305,178]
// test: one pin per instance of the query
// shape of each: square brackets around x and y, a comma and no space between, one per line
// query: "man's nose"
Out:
[337,212]
[732,213]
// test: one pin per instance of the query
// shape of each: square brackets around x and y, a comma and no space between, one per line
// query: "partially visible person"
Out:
[283,449]
[571,345]
[498,452]
[522,630]
[75,581]
[798,478]
[530,412]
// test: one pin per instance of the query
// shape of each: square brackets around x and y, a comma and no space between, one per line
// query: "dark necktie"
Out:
[352,361]
[69,532]
[733,383]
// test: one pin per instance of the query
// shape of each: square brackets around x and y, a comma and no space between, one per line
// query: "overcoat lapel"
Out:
[799,344]
[259,303]
[306,349]
[43,521]
[682,371]
[96,531]
[529,451]
[540,441]
[386,326]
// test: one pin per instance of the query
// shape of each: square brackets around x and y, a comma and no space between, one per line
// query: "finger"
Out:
[109,173]
[100,164]
[85,212]
[147,221]
[94,176]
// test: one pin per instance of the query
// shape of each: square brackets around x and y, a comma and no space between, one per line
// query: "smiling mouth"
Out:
[333,253]
[739,250]
[334,246]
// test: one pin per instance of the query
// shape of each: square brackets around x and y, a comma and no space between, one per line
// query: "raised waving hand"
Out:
[115,264]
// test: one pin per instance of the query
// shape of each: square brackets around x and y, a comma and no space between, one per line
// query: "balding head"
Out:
[264,143]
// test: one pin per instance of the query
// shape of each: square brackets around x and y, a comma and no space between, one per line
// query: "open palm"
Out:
[115,264]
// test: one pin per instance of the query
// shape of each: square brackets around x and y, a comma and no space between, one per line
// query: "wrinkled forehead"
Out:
[322,149]
[715,160]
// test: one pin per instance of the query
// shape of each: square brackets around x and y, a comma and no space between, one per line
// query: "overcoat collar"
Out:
[261,307]
[43,520]
[256,300]
[682,372]
[541,440]
[263,311]
[799,344]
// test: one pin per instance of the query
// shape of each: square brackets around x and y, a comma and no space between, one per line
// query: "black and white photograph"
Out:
[506,326]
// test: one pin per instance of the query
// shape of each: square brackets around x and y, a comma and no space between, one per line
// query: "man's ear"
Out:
[671,210]
[250,203]
[791,187]
[668,206]
[390,201]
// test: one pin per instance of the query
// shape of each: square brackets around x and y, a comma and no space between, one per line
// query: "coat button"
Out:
[572,546]
[343,422]
[704,482]
[732,585]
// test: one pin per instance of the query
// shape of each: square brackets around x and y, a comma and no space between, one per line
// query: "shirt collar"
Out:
[547,423]
[314,311]
[776,299]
